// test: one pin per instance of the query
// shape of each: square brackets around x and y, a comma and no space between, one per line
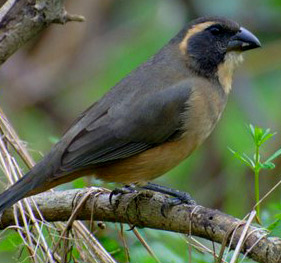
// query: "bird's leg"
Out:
[182,197]
[126,189]
[179,197]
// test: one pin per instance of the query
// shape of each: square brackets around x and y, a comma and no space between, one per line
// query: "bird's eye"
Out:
[215,30]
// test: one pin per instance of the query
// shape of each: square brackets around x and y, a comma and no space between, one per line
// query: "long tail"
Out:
[22,188]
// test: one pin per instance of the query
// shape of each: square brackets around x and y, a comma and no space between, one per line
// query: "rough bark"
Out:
[21,20]
[144,210]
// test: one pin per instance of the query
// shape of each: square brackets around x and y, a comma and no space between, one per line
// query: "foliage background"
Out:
[51,80]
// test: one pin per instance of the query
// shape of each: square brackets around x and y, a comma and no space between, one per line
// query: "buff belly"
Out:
[148,165]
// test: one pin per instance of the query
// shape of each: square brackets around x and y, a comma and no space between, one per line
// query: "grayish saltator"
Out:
[152,119]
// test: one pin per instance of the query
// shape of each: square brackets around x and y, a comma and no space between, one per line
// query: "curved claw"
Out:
[171,202]
[127,189]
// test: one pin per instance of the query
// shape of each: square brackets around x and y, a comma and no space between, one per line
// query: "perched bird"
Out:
[152,119]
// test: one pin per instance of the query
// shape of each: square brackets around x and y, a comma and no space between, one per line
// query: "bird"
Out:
[152,119]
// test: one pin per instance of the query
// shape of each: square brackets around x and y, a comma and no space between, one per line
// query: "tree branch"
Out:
[21,20]
[144,210]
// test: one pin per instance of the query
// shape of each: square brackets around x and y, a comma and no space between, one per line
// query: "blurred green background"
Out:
[46,84]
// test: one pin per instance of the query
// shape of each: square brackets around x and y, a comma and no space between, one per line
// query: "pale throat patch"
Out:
[193,30]
[226,69]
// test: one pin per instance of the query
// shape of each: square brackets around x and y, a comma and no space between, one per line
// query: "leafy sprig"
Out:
[260,136]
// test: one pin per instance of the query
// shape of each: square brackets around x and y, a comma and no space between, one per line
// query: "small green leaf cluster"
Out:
[260,136]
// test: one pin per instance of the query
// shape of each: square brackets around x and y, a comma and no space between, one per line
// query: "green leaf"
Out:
[267,165]
[10,241]
[278,216]
[259,135]
[266,136]
[245,160]
[275,228]
[252,130]
[274,156]
[249,160]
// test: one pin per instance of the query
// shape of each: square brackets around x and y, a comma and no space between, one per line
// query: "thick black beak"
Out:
[243,40]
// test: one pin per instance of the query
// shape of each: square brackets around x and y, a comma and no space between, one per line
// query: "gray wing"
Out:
[129,128]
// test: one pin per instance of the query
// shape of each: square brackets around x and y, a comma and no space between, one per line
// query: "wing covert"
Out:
[129,128]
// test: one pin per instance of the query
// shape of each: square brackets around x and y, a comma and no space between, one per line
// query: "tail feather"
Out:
[19,190]
[43,176]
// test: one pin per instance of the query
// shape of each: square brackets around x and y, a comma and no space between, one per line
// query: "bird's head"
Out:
[213,46]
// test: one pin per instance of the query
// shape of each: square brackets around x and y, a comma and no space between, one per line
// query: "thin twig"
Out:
[243,235]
